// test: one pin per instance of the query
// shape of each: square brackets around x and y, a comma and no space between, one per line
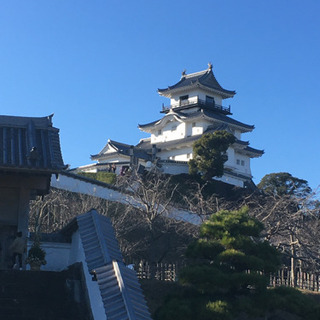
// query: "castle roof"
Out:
[239,144]
[208,114]
[123,149]
[204,79]
[29,144]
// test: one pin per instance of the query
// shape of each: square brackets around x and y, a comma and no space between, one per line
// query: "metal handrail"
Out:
[196,101]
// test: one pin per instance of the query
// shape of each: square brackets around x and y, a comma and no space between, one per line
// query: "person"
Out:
[18,248]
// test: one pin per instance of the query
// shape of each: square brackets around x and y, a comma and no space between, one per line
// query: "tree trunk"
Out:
[293,279]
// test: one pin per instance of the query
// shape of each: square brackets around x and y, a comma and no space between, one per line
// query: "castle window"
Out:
[210,100]
[186,97]
[242,162]
[193,124]
[159,132]
[238,161]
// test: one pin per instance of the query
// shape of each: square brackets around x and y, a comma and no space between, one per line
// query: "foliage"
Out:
[289,209]
[166,242]
[103,176]
[283,183]
[228,273]
[36,254]
[151,198]
[209,154]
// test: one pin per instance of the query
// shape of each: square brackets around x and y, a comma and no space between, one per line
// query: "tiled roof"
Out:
[119,287]
[29,143]
[124,149]
[98,239]
[121,293]
[209,114]
[205,78]
[186,141]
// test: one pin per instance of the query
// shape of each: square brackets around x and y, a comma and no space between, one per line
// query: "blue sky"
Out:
[97,65]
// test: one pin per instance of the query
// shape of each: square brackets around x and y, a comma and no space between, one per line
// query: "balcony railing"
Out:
[196,101]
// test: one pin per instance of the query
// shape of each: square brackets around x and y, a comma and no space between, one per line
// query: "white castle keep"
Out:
[196,107]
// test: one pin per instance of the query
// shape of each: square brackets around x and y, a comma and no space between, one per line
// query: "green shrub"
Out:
[103,176]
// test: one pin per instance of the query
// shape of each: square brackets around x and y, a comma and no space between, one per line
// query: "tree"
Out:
[290,214]
[144,230]
[283,183]
[292,225]
[209,154]
[150,202]
[229,268]
[227,276]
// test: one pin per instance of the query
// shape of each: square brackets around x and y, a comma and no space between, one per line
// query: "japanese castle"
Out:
[196,107]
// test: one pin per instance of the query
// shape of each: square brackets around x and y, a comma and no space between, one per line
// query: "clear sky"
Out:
[97,66]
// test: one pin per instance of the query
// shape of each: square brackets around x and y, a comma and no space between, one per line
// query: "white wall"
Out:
[175,168]
[179,154]
[57,255]
[231,180]
[196,93]
[172,130]
[242,163]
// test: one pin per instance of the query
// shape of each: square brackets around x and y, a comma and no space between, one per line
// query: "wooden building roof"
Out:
[208,114]
[29,144]
[204,79]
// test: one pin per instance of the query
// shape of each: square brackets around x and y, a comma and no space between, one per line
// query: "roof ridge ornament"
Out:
[209,66]
[183,73]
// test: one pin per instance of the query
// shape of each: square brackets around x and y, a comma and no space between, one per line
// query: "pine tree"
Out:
[228,272]
[209,154]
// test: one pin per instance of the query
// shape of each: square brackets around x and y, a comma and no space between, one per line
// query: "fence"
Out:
[158,271]
[304,280]
[169,272]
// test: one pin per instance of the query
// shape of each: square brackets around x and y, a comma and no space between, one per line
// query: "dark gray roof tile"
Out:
[29,143]
[205,78]
[210,114]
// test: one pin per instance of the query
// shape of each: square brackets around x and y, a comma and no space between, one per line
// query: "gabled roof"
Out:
[119,287]
[123,149]
[204,79]
[29,144]
[210,115]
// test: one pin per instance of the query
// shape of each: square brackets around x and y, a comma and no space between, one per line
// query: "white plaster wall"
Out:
[237,134]
[57,255]
[242,168]
[77,185]
[169,133]
[180,154]
[196,93]
[87,168]
[114,159]
[231,158]
[231,180]
[175,168]
[109,150]
[197,129]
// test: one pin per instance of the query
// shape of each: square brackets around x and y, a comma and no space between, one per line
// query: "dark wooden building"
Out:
[29,154]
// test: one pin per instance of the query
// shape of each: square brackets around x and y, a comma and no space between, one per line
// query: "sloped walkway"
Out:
[119,287]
